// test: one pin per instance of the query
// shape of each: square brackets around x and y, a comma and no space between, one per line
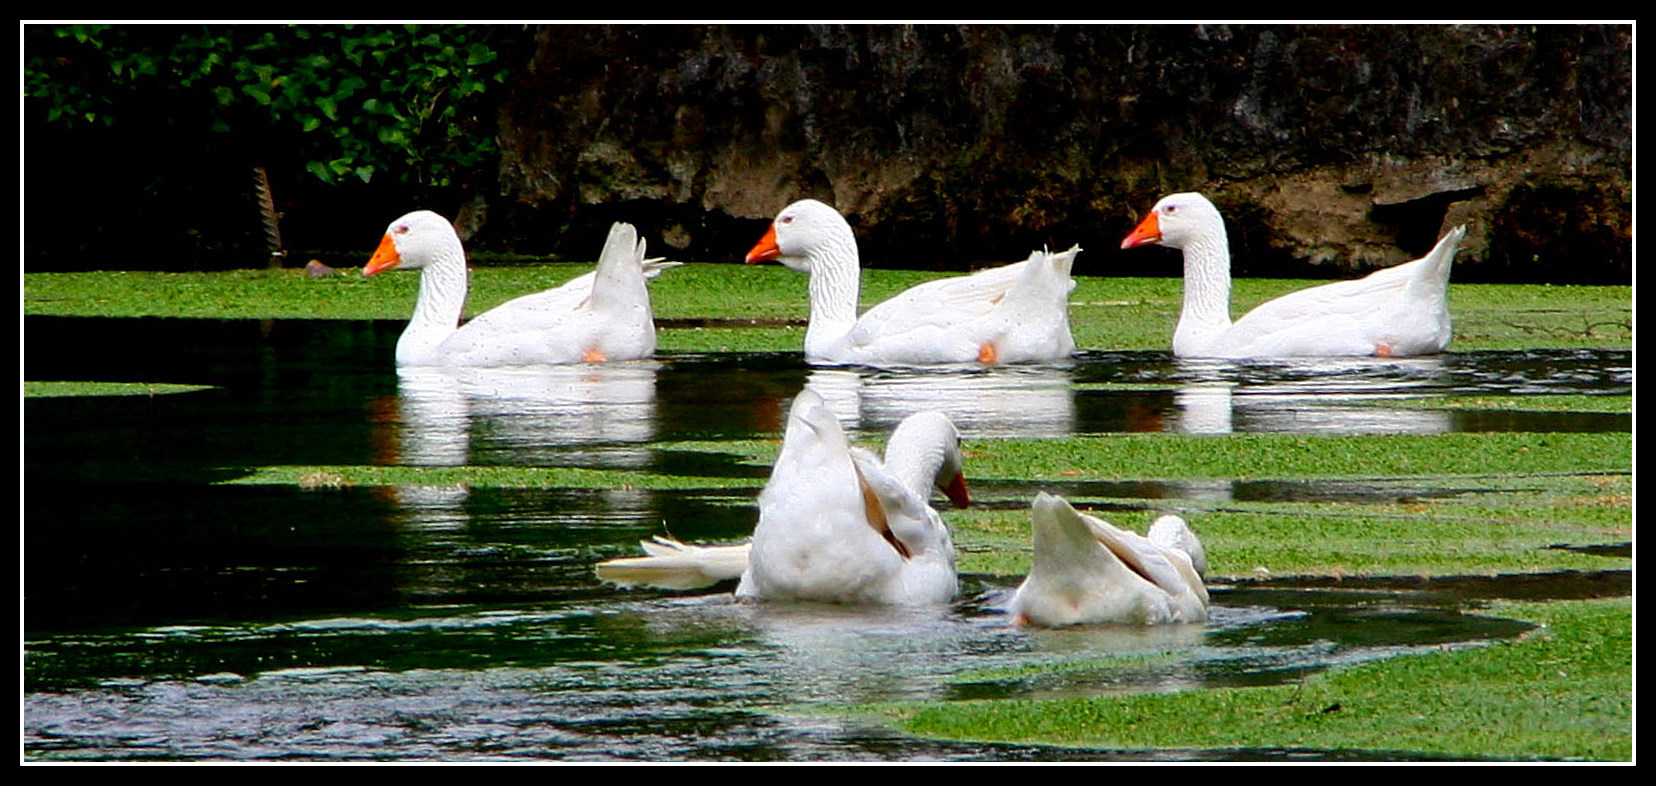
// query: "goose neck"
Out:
[1207,283]
[441,302]
[834,286]
[915,462]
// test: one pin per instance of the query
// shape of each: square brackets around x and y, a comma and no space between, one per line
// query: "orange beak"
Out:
[1148,232]
[956,492]
[384,258]
[766,249]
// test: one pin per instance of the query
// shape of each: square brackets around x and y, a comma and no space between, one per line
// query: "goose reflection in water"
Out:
[1309,396]
[527,415]
[1026,401]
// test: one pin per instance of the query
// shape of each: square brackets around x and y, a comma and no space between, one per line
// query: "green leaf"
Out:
[349,85]
[478,54]
[320,170]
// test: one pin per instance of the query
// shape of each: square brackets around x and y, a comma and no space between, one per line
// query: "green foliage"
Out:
[365,100]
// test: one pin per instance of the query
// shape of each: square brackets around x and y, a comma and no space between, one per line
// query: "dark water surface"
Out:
[169,617]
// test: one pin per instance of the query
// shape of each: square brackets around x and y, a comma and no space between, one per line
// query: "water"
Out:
[167,617]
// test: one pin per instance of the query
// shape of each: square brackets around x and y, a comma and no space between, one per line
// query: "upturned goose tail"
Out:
[620,274]
[1433,276]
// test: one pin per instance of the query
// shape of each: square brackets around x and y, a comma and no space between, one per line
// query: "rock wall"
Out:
[1327,147]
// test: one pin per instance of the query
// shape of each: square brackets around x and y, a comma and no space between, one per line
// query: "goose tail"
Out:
[657,266]
[671,564]
[621,265]
[1432,278]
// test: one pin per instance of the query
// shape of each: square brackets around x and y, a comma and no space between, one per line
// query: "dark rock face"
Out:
[951,146]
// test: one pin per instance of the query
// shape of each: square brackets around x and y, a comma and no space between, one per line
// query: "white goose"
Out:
[1086,571]
[1398,311]
[1017,313]
[836,524]
[603,315]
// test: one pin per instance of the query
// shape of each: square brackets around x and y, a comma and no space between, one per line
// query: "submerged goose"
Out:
[1017,313]
[836,523]
[1086,571]
[603,315]
[1398,311]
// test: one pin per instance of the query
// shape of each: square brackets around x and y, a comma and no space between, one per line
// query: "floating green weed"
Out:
[34,389]
[1561,692]
[487,477]
[1105,313]
[1253,456]
[1526,403]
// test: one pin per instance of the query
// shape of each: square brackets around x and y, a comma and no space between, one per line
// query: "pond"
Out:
[169,616]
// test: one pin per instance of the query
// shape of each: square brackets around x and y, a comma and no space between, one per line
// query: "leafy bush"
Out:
[364,101]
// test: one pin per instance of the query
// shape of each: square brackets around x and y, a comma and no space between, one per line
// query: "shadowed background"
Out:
[1329,148]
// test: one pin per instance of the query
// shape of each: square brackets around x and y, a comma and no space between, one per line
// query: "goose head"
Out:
[1175,533]
[802,232]
[413,242]
[1177,221]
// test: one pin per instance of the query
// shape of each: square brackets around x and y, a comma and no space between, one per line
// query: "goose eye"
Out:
[1170,209]
[785,220]
[402,229]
